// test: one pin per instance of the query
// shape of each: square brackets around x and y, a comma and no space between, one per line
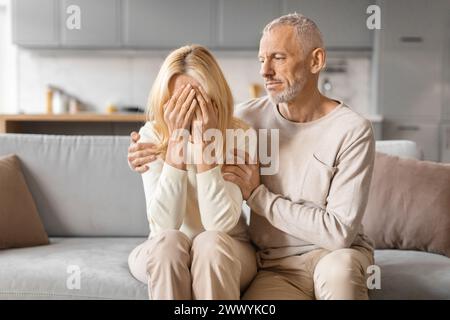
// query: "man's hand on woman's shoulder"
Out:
[246,175]
[140,154]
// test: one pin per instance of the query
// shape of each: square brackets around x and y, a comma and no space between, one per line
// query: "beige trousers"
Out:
[211,266]
[318,274]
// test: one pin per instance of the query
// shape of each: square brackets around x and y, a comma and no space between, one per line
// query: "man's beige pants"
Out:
[318,274]
[211,266]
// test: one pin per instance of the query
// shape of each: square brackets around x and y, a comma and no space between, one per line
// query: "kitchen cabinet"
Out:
[168,23]
[425,134]
[410,84]
[42,24]
[240,23]
[35,23]
[446,102]
[411,56]
[156,24]
[445,143]
[100,24]
[342,23]
[411,64]
[417,28]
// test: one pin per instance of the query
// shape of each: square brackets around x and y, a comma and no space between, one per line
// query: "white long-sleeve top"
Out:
[189,201]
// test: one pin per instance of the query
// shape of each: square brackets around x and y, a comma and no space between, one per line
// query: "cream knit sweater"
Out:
[318,196]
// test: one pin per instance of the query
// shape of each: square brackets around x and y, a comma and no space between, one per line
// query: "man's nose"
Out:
[266,70]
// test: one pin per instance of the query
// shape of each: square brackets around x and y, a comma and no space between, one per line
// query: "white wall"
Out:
[8,60]
[99,78]
[2,55]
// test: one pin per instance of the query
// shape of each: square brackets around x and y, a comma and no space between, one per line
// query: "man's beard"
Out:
[290,93]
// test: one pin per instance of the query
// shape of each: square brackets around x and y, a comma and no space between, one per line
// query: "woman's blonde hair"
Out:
[197,62]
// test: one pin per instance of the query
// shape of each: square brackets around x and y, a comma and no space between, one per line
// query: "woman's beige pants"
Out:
[211,266]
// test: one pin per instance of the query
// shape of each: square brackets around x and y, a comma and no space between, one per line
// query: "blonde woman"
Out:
[198,246]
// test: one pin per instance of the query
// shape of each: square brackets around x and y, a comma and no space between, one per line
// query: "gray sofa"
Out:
[92,206]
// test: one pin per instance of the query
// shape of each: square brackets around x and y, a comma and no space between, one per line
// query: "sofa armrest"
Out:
[400,148]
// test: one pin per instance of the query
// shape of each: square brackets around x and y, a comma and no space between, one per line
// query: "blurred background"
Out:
[86,66]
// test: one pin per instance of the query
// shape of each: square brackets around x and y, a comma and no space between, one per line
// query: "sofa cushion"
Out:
[44,272]
[412,275]
[409,205]
[20,224]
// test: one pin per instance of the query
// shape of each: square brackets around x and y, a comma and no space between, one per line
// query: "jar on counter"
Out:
[49,100]
[60,102]
[74,105]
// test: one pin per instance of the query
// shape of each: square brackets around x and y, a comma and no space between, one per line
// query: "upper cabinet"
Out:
[168,23]
[411,55]
[163,24]
[99,23]
[66,23]
[342,22]
[240,23]
[35,23]
[417,29]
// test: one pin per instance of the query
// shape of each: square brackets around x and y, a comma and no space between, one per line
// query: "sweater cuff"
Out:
[207,176]
[261,200]
[173,173]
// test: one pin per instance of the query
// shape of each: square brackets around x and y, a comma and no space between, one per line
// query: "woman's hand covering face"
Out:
[205,115]
[179,110]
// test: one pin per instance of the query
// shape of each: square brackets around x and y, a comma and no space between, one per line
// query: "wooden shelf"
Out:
[122,117]
[78,123]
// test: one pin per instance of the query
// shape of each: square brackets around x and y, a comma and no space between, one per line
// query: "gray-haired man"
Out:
[306,218]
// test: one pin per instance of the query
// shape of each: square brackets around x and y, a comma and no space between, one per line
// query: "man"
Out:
[306,218]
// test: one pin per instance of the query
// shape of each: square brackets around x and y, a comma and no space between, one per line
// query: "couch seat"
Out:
[42,272]
[412,275]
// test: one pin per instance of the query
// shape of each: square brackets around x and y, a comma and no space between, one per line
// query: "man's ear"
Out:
[318,58]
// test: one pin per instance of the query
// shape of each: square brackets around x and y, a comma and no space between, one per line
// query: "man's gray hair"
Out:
[308,33]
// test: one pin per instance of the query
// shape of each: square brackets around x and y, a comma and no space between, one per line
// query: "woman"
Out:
[198,246]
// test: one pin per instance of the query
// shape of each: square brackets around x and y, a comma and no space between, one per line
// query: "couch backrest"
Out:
[401,148]
[82,185]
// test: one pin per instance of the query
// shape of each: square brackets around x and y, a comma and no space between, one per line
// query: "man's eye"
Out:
[279,58]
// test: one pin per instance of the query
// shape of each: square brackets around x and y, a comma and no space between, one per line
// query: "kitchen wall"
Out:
[124,78]
[3,53]
[2,50]
[8,62]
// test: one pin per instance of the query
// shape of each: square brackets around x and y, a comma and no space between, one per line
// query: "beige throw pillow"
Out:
[20,224]
[409,205]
